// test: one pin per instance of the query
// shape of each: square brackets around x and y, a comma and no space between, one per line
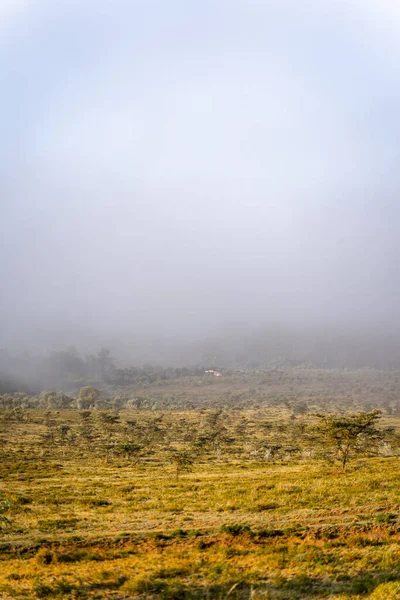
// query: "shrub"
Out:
[385,518]
[54,525]
[235,529]
[263,507]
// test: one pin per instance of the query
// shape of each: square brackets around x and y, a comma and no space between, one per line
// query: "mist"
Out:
[174,173]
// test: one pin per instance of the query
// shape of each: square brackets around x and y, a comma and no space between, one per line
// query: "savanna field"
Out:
[200,299]
[201,503]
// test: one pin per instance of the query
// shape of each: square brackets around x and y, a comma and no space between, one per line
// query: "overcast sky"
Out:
[181,166]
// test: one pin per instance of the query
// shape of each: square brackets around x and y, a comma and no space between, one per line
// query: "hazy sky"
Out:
[181,166]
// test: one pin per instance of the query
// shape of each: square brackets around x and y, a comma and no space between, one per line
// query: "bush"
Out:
[263,507]
[49,525]
[235,529]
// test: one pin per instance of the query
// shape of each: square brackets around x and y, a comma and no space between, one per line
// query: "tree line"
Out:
[68,369]
[184,439]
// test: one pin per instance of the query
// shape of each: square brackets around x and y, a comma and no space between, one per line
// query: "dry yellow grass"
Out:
[85,527]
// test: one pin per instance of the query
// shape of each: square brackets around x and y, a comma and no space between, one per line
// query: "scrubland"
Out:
[192,504]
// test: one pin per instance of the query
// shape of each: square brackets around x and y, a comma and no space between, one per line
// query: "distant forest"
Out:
[67,369]
[70,369]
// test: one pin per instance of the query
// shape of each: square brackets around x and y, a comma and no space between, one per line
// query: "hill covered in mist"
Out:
[124,363]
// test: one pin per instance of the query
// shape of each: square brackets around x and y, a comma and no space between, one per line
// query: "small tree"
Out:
[86,429]
[346,436]
[49,437]
[64,401]
[49,399]
[5,505]
[88,396]
[182,460]
[109,425]
[133,452]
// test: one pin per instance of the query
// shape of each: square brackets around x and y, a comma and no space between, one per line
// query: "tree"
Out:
[86,430]
[66,363]
[212,433]
[105,362]
[64,401]
[110,425]
[49,399]
[131,451]
[182,460]
[49,437]
[5,505]
[343,437]
[88,396]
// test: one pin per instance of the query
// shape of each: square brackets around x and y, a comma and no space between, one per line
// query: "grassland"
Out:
[334,389]
[88,524]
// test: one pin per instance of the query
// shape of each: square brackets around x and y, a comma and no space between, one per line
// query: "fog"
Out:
[184,171]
